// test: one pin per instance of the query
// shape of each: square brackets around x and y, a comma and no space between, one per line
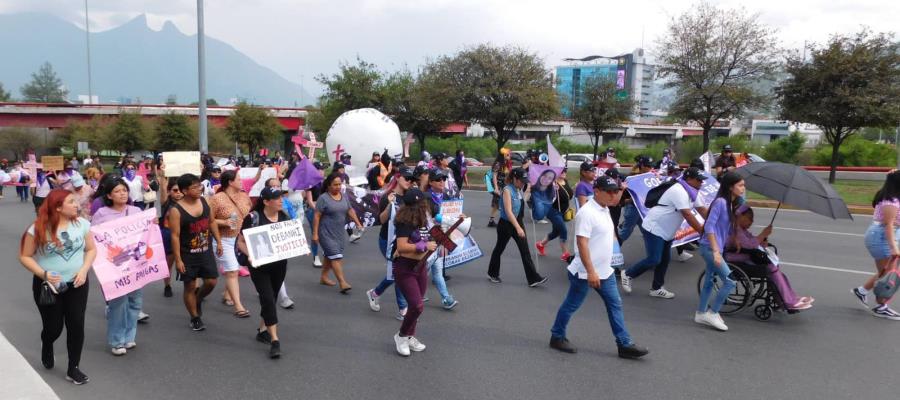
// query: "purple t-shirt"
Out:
[105,214]
[718,223]
[583,189]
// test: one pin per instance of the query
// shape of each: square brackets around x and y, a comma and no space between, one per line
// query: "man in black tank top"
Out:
[192,233]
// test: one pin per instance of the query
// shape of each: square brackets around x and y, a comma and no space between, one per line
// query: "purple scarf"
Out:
[692,193]
[130,174]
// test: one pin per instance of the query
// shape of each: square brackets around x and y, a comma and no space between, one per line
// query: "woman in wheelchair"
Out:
[743,243]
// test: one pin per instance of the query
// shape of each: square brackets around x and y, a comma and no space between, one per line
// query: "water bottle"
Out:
[233,220]
[59,284]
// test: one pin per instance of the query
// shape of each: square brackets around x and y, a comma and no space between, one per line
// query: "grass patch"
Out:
[854,192]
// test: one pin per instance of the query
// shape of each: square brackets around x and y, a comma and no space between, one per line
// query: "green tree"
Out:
[4,95]
[715,58]
[785,149]
[173,132]
[354,86]
[209,102]
[851,82]
[411,103]
[18,140]
[501,87]
[252,126]
[128,132]
[45,87]
[600,109]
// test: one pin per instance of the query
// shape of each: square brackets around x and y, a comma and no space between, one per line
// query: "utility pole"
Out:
[201,77]
[87,35]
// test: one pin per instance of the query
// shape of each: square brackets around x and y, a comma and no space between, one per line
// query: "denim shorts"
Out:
[876,241]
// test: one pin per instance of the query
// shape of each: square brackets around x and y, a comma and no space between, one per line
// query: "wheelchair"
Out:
[752,289]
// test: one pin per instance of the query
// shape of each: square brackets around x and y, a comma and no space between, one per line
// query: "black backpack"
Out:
[656,193]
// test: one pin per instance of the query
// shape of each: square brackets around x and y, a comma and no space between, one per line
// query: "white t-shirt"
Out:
[594,222]
[665,219]
[135,189]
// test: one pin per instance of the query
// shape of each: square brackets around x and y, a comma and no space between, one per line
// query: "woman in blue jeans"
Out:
[557,209]
[882,242]
[718,227]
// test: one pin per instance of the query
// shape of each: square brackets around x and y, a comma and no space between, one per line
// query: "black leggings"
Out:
[268,279]
[506,231]
[69,312]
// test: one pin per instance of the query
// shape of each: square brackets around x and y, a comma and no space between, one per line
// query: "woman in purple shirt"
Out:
[584,189]
[712,242]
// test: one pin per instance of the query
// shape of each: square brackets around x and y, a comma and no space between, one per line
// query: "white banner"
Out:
[274,242]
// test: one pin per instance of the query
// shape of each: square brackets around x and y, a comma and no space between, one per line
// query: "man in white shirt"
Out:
[595,234]
[661,224]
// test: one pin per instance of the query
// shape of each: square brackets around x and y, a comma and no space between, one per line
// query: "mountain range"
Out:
[135,63]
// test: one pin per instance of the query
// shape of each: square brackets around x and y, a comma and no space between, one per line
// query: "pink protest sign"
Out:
[130,254]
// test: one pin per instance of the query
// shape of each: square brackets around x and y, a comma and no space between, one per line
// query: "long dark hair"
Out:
[890,190]
[104,185]
[728,181]
[414,215]
[329,179]
[225,179]
[110,186]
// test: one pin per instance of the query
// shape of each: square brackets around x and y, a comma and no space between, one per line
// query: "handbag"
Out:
[886,286]
[569,214]
[149,196]
[46,294]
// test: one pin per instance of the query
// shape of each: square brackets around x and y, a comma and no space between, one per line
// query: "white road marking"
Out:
[814,231]
[849,271]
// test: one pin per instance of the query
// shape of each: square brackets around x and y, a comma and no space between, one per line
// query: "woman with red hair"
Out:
[58,250]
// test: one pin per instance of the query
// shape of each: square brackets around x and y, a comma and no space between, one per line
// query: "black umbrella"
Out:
[795,186]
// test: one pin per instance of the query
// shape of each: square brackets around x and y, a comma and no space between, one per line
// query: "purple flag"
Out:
[304,176]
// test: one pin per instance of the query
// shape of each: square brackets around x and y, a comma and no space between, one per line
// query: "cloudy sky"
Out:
[305,38]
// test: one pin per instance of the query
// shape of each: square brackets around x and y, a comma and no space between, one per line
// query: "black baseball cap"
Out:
[337,165]
[587,166]
[613,173]
[421,169]
[606,183]
[413,196]
[437,175]
[270,193]
[440,156]
[407,173]
[727,147]
[520,174]
[643,161]
[215,168]
[610,149]
[695,173]
[319,165]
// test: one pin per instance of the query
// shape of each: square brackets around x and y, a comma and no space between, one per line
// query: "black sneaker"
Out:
[167,291]
[540,282]
[632,351]
[275,350]
[76,376]
[263,337]
[494,279]
[562,345]
[492,223]
[197,324]
[47,358]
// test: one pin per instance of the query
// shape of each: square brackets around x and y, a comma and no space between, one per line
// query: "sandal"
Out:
[346,290]
[807,299]
[227,302]
[242,314]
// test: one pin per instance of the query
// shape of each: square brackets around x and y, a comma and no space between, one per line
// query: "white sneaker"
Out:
[130,345]
[700,318]
[626,283]
[373,300]
[684,256]
[543,221]
[143,317]
[401,315]
[355,236]
[402,345]
[662,293]
[415,344]
[717,321]
[317,262]
[118,351]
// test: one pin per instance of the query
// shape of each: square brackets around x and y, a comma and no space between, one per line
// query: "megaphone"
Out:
[544,158]
[465,227]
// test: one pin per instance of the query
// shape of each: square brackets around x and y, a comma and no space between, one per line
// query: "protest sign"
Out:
[182,162]
[639,185]
[274,242]
[466,247]
[254,187]
[52,163]
[130,254]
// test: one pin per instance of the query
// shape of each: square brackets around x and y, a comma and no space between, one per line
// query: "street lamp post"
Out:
[201,77]
[87,35]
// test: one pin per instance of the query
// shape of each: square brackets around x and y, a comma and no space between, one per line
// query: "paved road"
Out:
[494,345]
